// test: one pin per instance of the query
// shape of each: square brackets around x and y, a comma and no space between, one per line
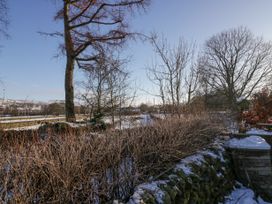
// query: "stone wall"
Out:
[205,177]
[253,168]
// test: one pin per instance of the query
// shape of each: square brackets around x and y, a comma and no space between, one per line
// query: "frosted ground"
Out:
[126,122]
[243,195]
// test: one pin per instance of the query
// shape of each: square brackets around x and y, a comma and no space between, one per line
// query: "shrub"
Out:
[261,107]
[97,122]
[88,168]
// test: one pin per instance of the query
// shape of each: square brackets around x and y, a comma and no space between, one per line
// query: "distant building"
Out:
[56,101]
[22,107]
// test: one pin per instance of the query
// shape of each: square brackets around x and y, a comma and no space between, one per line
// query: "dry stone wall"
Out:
[253,168]
[205,177]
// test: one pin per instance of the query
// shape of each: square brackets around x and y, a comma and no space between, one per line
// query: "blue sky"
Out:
[29,68]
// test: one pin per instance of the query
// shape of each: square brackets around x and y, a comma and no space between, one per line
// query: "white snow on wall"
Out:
[252,142]
[258,132]
[152,187]
[184,163]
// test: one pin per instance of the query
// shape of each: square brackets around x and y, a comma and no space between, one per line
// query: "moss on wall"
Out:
[205,177]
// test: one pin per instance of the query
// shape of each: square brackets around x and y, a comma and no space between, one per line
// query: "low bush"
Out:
[261,109]
[98,168]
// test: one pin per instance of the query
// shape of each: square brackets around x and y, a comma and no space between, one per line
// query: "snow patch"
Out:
[243,195]
[75,125]
[145,119]
[36,127]
[185,168]
[252,142]
[184,163]
[209,153]
[152,187]
[255,131]
[159,116]
[135,121]
[197,159]
[32,127]
[32,120]
[261,201]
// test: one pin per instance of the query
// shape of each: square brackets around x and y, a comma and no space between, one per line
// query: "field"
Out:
[27,121]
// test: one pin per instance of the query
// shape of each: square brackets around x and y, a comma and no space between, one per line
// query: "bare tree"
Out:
[96,88]
[118,86]
[156,75]
[168,74]
[89,27]
[191,82]
[106,88]
[236,63]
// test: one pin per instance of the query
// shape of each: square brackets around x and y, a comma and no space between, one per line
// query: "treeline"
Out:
[31,109]
[221,74]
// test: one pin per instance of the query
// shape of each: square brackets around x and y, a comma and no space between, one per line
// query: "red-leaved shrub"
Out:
[261,110]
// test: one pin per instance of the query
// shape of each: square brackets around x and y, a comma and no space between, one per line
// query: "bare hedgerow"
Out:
[90,168]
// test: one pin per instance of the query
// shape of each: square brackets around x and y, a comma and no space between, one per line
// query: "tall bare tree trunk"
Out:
[112,108]
[69,91]
[189,96]
[89,27]
[69,72]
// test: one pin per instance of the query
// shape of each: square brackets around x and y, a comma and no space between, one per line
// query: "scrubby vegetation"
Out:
[261,108]
[79,168]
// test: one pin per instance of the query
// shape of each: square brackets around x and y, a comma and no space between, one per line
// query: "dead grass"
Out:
[85,168]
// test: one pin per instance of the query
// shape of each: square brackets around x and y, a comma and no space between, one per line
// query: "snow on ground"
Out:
[160,115]
[135,121]
[146,119]
[258,132]
[23,117]
[153,187]
[184,164]
[31,120]
[251,142]
[243,195]
[75,125]
[127,122]
[36,127]
[32,127]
